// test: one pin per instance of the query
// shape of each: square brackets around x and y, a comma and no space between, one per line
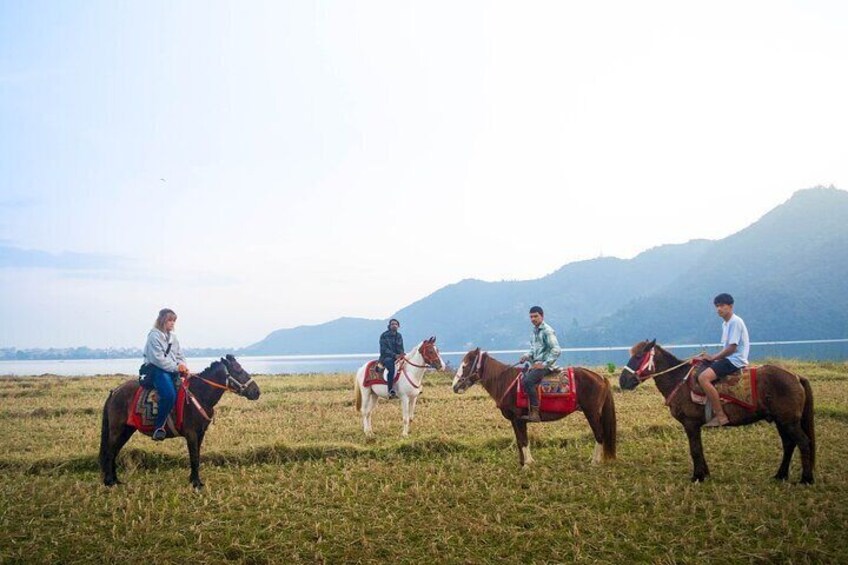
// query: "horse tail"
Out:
[807,423]
[608,423]
[357,393]
[104,435]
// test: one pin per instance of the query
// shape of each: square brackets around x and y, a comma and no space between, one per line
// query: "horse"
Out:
[203,392]
[785,398]
[594,396]
[409,377]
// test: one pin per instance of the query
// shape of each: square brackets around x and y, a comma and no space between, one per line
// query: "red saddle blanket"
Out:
[145,407]
[557,393]
[373,376]
[738,388]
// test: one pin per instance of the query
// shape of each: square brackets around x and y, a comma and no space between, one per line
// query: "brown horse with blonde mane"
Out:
[784,398]
[594,397]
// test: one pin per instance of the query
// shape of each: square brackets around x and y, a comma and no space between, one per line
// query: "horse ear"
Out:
[653,343]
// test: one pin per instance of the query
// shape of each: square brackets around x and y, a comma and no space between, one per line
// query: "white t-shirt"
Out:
[734,331]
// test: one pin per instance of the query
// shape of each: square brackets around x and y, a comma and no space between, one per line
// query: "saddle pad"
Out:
[145,407]
[739,388]
[557,393]
[372,376]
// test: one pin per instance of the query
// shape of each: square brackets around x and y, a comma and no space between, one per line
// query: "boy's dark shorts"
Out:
[722,368]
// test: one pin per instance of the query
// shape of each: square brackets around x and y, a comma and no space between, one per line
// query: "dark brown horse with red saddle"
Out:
[195,409]
[593,395]
[778,396]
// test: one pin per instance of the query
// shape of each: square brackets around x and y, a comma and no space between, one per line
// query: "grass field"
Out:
[290,477]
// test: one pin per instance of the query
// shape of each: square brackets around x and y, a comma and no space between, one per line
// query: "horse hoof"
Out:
[198,485]
[697,479]
[807,480]
[780,477]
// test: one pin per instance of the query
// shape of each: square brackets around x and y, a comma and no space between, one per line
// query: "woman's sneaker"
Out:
[160,434]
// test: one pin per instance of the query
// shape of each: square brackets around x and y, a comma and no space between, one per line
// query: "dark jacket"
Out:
[391,344]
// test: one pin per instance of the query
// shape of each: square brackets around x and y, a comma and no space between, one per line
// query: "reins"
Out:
[225,387]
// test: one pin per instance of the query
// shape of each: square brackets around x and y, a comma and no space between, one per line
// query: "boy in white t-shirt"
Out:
[733,356]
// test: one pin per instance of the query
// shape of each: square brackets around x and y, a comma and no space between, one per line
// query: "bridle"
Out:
[231,384]
[430,355]
[647,366]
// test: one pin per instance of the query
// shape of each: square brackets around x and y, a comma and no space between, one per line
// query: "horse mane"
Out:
[636,349]
[640,347]
[215,366]
[496,385]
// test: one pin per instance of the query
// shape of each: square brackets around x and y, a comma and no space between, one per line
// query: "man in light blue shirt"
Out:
[733,356]
[544,351]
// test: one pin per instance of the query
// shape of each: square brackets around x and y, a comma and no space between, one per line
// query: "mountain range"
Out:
[787,272]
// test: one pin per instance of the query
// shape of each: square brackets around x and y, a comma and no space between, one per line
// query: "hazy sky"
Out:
[257,166]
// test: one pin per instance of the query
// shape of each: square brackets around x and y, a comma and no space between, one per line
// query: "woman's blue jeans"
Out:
[163,382]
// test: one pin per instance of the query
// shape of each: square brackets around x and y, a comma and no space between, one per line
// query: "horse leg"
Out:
[412,402]
[700,470]
[788,450]
[404,405]
[368,405]
[797,434]
[122,439]
[194,438]
[524,456]
[594,419]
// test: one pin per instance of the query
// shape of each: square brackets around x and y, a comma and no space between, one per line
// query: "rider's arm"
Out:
[726,352]
[553,349]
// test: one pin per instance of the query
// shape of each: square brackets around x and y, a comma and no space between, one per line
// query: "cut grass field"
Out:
[290,477]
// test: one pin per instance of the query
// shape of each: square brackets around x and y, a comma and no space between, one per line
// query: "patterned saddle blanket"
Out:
[738,388]
[145,407]
[557,392]
[374,374]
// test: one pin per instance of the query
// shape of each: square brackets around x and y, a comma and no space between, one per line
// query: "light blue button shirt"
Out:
[734,331]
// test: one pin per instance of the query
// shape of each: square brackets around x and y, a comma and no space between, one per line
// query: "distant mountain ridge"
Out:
[788,272]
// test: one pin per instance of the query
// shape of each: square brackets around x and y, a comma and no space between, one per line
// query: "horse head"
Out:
[469,371]
[430,353]
[639,366]
[238,380]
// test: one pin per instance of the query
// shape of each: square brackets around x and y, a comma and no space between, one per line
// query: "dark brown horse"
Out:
[206,387]
[785,398]
[594,396]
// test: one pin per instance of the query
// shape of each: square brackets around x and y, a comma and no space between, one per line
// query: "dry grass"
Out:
[290,477]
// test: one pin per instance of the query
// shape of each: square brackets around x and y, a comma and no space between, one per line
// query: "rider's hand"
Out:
[538,365]
[524,358]
[182,368]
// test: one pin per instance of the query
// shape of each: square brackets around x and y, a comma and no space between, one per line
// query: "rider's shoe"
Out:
[392,393]
[533,415]
[160,434]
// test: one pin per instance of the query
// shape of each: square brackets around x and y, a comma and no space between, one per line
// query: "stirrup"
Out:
[157,436]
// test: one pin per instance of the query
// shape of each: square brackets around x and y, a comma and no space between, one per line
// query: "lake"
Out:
[821,350]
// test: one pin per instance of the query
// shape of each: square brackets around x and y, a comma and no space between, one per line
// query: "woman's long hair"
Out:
[164,315]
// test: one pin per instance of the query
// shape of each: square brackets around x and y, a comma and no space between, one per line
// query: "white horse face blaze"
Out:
[458,374]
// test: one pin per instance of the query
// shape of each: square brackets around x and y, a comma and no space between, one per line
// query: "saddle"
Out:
[145,407]
[557,392]
[375,374]
[738,388]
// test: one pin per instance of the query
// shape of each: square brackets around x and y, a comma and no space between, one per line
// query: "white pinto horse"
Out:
[409,374]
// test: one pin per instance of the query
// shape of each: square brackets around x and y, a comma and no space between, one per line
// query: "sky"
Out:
[256,166]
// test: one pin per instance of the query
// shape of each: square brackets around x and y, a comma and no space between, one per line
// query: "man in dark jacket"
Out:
[391,347]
